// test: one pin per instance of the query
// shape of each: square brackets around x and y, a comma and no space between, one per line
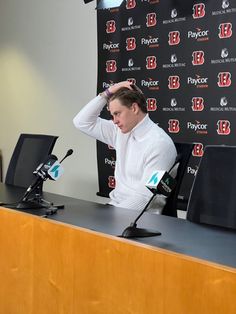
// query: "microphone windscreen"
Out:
[70,152]
[161,182]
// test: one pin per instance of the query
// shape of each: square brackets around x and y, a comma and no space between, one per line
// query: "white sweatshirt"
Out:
[145,149]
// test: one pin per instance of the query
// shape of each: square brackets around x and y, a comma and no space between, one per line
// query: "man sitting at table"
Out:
[142,147]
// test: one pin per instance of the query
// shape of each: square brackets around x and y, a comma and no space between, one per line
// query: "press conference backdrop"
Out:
[182,54]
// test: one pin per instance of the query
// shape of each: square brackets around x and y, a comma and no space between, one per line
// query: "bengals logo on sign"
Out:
[223,127]
[198,57]
[151,104]
[174,82]
[197,103]
[173,126]
[130,43]
[111,182]
[224,79]
[110,26]
[151,62]
[225,30]
[151,19]
[198,10]
[198,150]
[174,38]
[130,4]
[111,66]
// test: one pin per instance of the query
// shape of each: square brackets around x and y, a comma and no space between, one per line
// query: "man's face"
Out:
[125,118]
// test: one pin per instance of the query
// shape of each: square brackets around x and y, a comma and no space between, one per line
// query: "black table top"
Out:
[206,242]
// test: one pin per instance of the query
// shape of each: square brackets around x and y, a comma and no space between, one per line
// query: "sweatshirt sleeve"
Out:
[89,122]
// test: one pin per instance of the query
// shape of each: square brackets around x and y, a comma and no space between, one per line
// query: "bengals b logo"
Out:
[197,103]
[130,43]
[174,82]
[223,127]
[130,4]
[173,126]
[224,79]
[198,10]
[197,150]
[225,30]
[151,104]
[198,57]
[110,26]
[111,182]
[111,66]
[151,19]
[174,38]
[151,62]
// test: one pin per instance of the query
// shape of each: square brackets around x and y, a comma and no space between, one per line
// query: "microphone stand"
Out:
[37,201]
[133,232]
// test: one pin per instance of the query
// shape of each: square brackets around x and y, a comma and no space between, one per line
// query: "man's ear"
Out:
[135,107]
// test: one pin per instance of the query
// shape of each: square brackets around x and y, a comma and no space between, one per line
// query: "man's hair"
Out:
[128,96]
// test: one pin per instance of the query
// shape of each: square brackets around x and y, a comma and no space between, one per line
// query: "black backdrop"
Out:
[182,54]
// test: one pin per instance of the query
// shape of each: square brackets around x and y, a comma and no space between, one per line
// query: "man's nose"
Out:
[115,120]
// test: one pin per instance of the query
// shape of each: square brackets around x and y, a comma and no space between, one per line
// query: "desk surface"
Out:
[211,244]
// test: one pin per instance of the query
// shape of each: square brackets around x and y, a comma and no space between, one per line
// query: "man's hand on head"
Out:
[114,88]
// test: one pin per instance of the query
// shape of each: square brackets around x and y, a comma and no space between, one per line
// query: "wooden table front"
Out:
[49,267]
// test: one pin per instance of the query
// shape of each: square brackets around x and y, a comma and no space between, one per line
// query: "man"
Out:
[141,146]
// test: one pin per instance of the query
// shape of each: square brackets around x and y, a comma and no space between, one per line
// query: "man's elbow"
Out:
[78,123]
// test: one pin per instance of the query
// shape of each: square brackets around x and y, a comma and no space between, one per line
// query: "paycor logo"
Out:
[199,128]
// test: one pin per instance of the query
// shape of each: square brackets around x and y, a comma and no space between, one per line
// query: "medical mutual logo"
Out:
[226,57]
[225,8]
[174,17]
[173,106]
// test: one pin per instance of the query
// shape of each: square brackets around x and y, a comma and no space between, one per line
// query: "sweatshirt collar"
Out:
[142,127]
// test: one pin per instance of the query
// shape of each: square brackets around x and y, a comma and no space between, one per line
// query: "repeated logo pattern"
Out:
[183,58]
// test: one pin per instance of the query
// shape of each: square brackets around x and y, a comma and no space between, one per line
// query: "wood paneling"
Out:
[50,267]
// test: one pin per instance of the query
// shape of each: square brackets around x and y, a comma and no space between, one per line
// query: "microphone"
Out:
[49,169]
[42,170]
[69,152]
[56,169]
[160,182]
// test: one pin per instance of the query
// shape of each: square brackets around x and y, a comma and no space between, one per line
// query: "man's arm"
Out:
[89,122]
